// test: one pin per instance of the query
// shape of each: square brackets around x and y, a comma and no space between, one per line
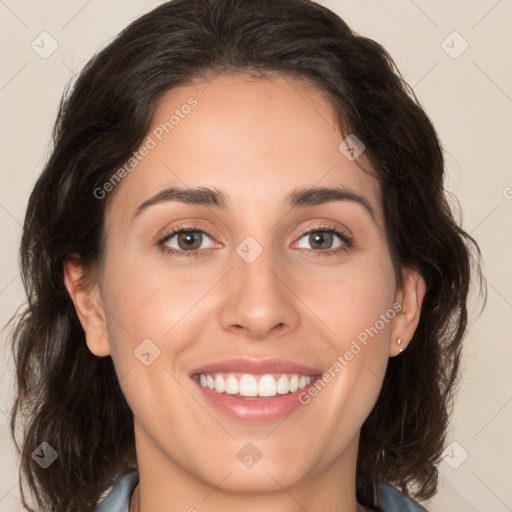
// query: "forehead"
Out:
[254,139]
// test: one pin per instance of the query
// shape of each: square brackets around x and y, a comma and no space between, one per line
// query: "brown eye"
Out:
[321,240]
[184,240]
[189,240]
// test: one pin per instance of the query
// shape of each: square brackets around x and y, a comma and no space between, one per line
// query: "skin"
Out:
[255,140]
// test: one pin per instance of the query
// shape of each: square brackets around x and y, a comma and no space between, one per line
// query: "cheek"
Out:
[352,299]
[149,301]
[146,309]
[356,304]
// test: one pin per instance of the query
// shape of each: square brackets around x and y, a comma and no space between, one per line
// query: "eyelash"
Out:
[347,242]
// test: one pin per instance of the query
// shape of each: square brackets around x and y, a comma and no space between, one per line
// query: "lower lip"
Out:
[254,410]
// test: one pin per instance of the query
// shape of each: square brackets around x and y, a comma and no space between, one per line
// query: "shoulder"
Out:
[118,499]
[392,500]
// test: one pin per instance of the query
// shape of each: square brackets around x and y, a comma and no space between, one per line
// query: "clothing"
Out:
[118,500]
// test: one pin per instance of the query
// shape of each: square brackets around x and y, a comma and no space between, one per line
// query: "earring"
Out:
[399,340]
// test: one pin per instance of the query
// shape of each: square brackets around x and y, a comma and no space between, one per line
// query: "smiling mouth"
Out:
[250,386]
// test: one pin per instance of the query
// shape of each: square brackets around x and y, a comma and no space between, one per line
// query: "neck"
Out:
[135,503]
[166,485]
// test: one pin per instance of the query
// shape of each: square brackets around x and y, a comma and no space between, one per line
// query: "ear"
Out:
[88,306]
[410,297]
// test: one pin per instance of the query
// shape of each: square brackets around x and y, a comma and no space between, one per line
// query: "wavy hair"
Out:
[72,399]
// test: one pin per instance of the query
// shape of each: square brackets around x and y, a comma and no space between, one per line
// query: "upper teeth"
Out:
[255,385]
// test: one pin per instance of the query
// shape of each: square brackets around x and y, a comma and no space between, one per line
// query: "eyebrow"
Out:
[211,197]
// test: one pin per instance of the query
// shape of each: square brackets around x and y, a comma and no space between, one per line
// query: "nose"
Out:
[260,301]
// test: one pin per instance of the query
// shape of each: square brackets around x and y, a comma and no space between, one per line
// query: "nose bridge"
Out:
[259,299]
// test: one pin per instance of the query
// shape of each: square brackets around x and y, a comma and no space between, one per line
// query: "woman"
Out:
[246,289]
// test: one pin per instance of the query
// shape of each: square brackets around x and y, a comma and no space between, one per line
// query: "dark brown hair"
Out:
[70,398]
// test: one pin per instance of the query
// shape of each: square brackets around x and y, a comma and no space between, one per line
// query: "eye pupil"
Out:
[317,238]
[189,238]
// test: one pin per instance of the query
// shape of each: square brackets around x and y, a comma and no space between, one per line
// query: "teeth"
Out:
[231,385]
[220,384]
[248,385]
[294,383]
[267,386]
[283,385]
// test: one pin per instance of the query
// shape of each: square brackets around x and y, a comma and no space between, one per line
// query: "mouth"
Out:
[252,391]
[247,385]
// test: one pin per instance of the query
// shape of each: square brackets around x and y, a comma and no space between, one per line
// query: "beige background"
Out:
[469,98]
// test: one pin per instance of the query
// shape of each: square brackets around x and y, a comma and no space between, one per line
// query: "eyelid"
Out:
[327,227]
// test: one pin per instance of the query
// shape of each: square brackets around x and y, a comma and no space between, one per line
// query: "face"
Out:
[266,287]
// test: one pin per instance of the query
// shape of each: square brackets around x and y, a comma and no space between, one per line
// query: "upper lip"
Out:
[256,367]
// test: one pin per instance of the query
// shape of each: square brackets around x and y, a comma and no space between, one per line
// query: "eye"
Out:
[189,241]
[183,240]
[321,240]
